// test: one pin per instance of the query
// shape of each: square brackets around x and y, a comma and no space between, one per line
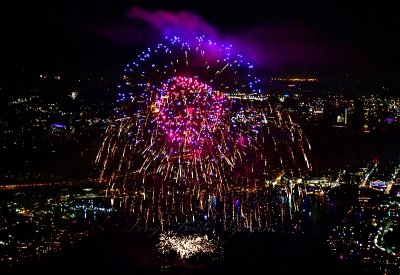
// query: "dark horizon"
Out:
[332,40]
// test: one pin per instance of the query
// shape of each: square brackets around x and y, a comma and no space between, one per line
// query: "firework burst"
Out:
[193,134]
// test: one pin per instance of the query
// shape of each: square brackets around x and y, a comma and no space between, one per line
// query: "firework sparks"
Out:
[187,246]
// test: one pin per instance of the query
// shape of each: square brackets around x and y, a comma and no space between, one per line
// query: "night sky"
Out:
[279,37]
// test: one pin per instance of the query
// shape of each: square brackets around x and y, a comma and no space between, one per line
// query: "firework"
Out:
[187,246]
[194,136]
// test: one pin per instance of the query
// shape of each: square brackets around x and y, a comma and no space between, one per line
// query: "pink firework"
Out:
[191,116]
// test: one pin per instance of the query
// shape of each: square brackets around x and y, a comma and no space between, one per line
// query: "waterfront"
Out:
[117,248]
